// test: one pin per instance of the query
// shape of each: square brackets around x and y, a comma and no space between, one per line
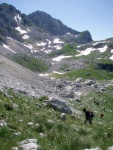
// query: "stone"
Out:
[90,82]
[63,116]
[110,148]
[30,123]
[3,123]
[29,146]
[59,105]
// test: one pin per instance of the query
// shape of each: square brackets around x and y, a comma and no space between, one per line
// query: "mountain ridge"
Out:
[11,18]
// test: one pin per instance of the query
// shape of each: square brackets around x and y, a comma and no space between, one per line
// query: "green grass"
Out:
[66,50]
[30,62]
[86,73]
[60,135]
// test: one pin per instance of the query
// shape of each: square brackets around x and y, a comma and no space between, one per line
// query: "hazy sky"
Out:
[93,15]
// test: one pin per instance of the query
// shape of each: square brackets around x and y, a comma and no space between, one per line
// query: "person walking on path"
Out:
[88,116]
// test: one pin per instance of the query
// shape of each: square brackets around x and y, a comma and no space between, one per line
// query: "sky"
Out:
[96,16]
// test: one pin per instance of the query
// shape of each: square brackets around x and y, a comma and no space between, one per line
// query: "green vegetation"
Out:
[60,135]
[66,50]
[30,62]
[86,73]
[105,65]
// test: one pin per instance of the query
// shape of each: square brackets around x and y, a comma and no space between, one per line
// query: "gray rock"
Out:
[3,123]
[59,105]
[15,106]
[90,82]
[63,116]
[29,146]
[110,148]
[70,94]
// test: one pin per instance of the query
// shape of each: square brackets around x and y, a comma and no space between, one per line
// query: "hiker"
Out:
[89,116]
[101,116]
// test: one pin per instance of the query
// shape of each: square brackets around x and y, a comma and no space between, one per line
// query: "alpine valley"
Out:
[48,74]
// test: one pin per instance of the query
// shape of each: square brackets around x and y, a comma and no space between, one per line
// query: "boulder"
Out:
[70,94]
[63,116]
[59,105]
[110,148]
[28,144]
[90,82]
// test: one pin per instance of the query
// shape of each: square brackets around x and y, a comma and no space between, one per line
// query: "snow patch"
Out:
[28,30]
[43,75]
[59,58]
[41,44]
[25,37]
[17,18]
[7,47]
[111,50]
[20,30]
[68,33]
[29,46]
[111,57]
[89,50]
[58,72]
[99,42]
[49,42]
[57,41]
[103,49]
[57,47]
[47,51]
[33,51]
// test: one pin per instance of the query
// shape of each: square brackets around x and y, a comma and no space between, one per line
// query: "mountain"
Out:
[50,24]
[46,79]
[11,19]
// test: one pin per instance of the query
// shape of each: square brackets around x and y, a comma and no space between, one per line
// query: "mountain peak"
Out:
[50,24]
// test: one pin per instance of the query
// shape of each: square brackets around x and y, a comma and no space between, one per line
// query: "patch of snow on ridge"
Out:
[34,51]
[20,30]
[68,33]
[59,58]
[28,30]
[111,50]
[111,57]
[99,42]
[47,51]
[29,46]
[25,37]
[17,18]
[49,42]
[57,41]
[103,49]
[58,47]
[6,46]
[89,50]
[43,75]
[41,44]
[58,72]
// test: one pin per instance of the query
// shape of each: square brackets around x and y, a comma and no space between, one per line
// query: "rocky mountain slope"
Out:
[77,73]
